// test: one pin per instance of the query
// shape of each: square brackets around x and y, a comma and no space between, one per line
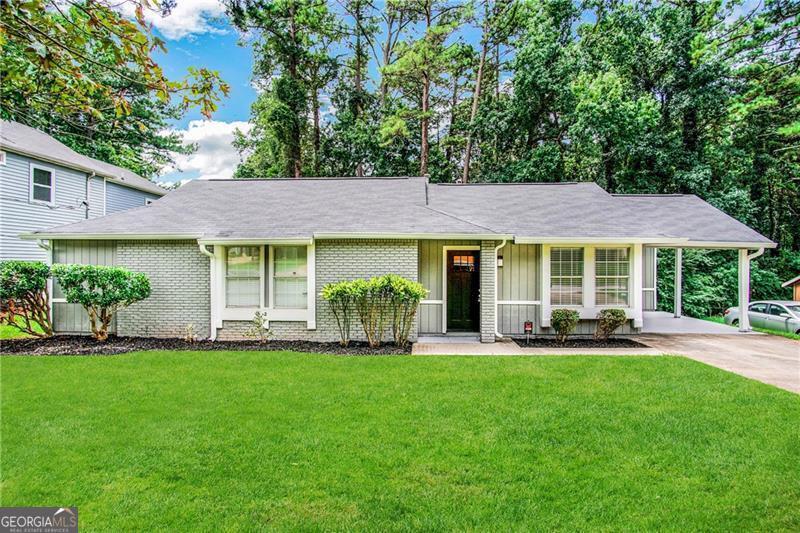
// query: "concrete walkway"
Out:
[766,358]
[661,322]
[449,347]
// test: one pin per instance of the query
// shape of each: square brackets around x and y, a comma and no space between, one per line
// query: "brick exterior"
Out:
[179,278]
[338,260]
[488,278]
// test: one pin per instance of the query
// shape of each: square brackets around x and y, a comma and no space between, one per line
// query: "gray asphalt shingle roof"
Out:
[22,139]
[305,208]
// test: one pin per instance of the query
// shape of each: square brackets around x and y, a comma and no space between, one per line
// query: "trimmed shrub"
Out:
[23,288]
[564,321]
[608,321]
[341,298]
[371,298]
[258,329]
[102,291]
[405,296]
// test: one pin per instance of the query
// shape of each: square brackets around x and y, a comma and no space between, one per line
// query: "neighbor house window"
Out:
[290,271]
[612,274]
[566,276]
[42,185]
[243,276]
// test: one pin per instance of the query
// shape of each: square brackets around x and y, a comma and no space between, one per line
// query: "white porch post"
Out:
[744,290]
[678,281]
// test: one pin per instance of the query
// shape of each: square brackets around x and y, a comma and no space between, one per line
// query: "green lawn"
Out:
[252,440]
[9,332]
[788,335]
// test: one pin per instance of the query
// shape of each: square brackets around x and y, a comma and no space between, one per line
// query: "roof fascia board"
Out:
[599,240]
[251,241]
[109,236]
[74,166]
[419,236]
[716,244]
[791,282]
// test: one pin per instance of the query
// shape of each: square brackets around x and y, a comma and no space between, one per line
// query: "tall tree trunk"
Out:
[317,135]
[295,154]
[453,103]
[357,79]
[423,158]
[476,96]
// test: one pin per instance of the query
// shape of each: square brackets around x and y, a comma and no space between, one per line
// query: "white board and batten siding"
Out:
[518,291]
[649,277]
[72,318]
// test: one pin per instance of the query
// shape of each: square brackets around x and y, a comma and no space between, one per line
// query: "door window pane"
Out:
[290,271]
[776,310]
[758,308]
[566,276]
[243,276]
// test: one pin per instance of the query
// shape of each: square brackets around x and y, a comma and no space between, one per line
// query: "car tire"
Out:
[735,322]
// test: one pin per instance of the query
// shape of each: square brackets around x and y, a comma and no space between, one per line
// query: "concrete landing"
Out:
[662,322]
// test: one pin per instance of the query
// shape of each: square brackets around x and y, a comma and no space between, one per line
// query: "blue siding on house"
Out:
[120,198]
[19,215]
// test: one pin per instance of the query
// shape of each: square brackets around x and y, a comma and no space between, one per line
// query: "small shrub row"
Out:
[375,301]
[564,322]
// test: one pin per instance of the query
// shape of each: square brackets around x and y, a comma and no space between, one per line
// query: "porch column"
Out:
[678,281]
[744,290]
[488,275]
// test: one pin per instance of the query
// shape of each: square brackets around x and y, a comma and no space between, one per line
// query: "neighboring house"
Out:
[794,283]
[492,256]
[44,183]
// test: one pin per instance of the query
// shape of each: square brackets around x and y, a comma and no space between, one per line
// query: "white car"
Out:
[780,315]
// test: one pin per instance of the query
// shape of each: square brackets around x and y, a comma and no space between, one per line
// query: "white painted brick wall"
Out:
[180,295]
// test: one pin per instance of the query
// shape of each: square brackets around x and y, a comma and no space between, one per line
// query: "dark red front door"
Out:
[463,283]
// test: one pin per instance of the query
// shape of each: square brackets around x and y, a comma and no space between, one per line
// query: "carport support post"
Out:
[744,290]
[678,281]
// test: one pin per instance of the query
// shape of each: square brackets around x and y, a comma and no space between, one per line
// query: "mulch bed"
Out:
[84,345]
[551,342]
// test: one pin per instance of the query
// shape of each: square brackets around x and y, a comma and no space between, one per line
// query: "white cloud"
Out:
[188,17]
[215,158]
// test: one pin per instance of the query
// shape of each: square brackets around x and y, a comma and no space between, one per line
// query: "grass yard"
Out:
[787,334]
[10,332]
[253,440]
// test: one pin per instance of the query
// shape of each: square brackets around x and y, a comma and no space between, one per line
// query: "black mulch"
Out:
[551,342]
[84,345]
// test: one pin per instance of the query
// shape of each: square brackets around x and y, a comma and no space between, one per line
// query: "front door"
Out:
[463,283]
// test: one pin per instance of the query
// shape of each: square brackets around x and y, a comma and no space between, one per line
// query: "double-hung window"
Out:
[612,276]
[290,271]
[243,276]
[566,276]
[42,185]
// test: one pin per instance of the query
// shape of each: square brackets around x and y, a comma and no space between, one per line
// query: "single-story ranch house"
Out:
[492,256]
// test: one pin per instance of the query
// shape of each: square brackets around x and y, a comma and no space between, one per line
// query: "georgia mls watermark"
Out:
[38,519]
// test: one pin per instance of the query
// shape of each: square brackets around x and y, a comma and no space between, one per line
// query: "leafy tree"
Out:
[84,72]
[23,290]
[102,291]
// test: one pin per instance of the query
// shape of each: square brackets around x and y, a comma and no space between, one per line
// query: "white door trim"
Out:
[445,249]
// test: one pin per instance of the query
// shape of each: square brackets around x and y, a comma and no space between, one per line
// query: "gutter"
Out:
[35,236]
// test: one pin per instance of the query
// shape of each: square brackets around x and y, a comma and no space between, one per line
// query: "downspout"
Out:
[757,253]
[212,333]
[496,276]
[42,244]
[86,203]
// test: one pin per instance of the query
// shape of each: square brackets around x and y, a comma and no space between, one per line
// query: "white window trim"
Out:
[589,309]
[52,171]
[3,157]
[267,298]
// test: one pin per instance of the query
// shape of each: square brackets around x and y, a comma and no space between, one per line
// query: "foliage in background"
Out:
[692,97]
[23,290]
[84,72]
[101,290]
[564,322]
[608,321]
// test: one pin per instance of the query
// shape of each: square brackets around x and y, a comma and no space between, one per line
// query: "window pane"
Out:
[612,269]
[243,292]
[566,276]
[42,194]
[243,276]
[243,261]
[291,293]
[290,261]
[42,177]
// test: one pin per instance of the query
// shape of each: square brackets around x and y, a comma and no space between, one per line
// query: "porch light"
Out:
[499,260]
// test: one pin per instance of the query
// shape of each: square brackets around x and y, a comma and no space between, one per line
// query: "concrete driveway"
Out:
[767,358]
